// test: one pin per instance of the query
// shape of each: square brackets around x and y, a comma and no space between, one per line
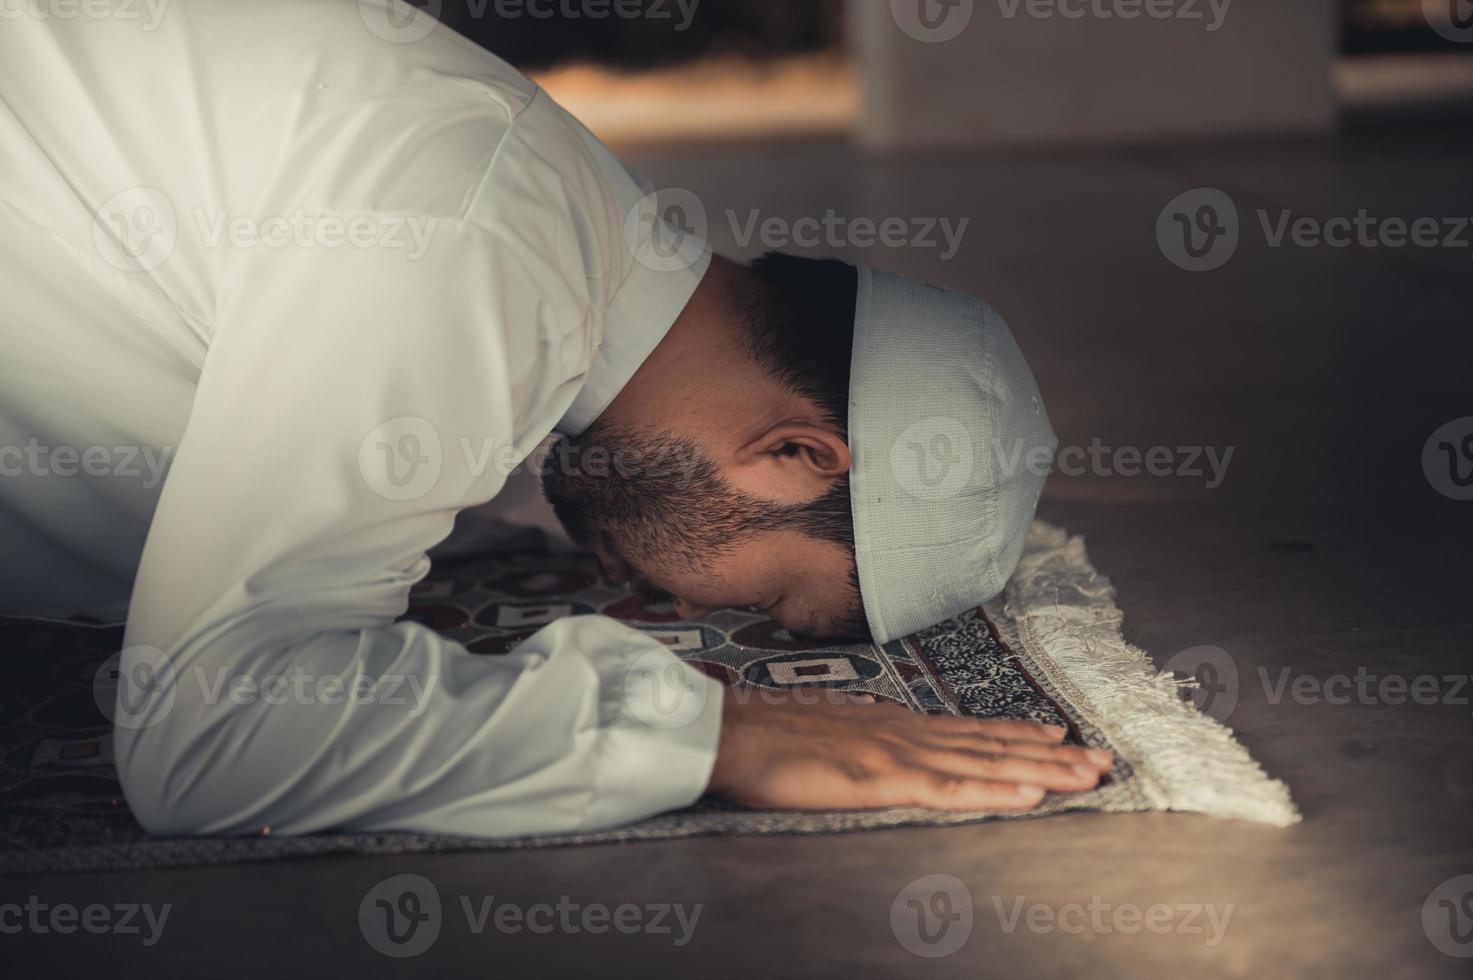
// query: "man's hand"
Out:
[848,755]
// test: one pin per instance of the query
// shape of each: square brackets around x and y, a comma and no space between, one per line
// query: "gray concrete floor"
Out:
[1324,551]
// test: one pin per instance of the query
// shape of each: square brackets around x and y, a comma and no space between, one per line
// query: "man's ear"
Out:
[820,450]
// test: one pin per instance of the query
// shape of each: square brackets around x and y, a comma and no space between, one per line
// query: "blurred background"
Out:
[1018,72]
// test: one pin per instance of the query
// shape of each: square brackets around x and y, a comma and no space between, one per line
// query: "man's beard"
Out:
[662,498]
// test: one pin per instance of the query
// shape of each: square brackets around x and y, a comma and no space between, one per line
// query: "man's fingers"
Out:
[1006,736]
[1020,731]
[848,755]
[1050,774]
[1004,728]
[1071,755]
[943,791]
[1011,729]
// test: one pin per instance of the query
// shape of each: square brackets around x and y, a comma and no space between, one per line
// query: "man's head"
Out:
[720,474]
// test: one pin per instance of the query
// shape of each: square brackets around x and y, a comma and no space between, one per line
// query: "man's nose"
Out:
[689,610]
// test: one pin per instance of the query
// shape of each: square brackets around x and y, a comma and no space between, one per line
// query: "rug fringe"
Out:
[1067,619]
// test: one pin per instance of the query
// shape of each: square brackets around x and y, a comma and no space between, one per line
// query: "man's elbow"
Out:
[154,783]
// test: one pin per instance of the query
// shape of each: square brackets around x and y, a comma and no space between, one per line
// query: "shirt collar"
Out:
[641,313]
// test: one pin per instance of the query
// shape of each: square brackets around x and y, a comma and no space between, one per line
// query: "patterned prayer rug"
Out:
[1049,650]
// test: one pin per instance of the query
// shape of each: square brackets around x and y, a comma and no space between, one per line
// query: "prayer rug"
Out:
[1049,649]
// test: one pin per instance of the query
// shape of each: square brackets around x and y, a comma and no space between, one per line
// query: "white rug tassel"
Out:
[1068,622]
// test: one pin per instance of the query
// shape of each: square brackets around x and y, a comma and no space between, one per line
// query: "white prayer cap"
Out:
[951,446]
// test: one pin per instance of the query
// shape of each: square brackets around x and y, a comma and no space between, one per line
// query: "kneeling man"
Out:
[304,262]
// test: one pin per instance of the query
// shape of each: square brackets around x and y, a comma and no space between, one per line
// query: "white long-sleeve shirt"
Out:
[336,275]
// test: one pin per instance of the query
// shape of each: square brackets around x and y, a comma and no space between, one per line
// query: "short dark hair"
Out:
[800,318]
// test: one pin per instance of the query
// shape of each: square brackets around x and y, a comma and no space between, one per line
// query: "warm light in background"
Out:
[719,98]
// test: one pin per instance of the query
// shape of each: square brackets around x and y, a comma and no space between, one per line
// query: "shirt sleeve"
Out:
[354,400]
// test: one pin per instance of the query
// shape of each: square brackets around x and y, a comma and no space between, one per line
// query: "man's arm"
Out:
[292,525]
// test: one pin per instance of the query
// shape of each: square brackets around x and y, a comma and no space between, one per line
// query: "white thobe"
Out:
[334,275]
